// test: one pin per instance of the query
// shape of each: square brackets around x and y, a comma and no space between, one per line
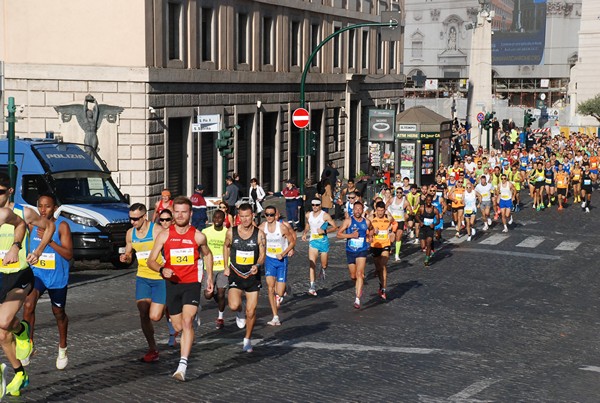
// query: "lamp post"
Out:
[480,72]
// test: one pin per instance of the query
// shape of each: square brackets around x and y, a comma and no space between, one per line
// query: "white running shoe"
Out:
[505,229]
[489,221]
[247,346]
[587,209]
[240,319]
[473,231]
[179,375]
[274,322]
[453,224]
[62,360]
[510,221]
[397,258]
[485,226]
[469,238]
[411,235]
[582,204]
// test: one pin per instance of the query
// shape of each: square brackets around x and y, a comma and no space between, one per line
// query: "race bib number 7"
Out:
[244,257]
[182,257]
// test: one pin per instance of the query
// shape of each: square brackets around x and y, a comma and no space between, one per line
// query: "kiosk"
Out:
[422,142]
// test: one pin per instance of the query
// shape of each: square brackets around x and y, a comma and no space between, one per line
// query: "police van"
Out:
[95,209]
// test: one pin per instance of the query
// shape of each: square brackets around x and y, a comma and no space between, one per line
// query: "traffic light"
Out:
[487,121]
[312,143]
[528,119]
[225,143]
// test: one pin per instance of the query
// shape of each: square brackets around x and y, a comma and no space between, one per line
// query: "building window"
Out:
[417,49]
[268,40]
[243,38]
[314,42]
[365,50]
[208,36]
[351,48]
[295,43]
[337,49]
[379,52]
[175,20]
[392,55]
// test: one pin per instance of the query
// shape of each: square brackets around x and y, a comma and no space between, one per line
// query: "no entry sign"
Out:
[300,118]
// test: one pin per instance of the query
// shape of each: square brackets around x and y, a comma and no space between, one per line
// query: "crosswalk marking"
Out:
[494,239]
[568,245]
[531,242]
[456,241]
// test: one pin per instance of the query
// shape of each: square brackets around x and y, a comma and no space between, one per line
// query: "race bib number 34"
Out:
[182,257]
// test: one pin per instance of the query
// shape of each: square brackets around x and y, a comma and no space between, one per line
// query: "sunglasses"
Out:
[315,205]
[349,198]
[273,215]
[135,218]
[222,206]
[3,191]
[165,219]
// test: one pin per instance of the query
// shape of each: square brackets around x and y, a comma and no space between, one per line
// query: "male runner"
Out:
[183,271]
[429,217]
[318,223]
[562,185]
[244,249]
[215,238]
[280,243]
[150,288]
[16,279]
[506,192]
[397,208]
[51,273]
[380,247]
[485,189]
[357,231]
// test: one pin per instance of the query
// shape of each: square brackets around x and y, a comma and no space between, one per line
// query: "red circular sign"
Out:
[300,118]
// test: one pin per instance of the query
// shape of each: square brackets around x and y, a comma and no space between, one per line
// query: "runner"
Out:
[485,189]
[506,191]
[439,202]
[457,196]
[165,219]
[280,242]
[163,203]
[537,176]
[562,185]
[576,173]
[586,189]
[514,177]
[245,251]
[17,279]
[319,224]
[356,230]
[472,198]
[429,216]
[549,186]
[383,227]
[215,238]
[183,271]
[397,209]
[51,273]
[411,223]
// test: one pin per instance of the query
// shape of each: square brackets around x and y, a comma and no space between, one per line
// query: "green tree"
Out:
[591,107]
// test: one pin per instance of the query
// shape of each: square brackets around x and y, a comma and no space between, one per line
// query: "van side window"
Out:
[33,186]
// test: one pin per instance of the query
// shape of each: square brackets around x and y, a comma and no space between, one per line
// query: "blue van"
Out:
[96,210]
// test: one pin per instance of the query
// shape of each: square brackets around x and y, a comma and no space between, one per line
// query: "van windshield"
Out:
[86,188]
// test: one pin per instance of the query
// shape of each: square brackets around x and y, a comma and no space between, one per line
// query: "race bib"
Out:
[218,261]
[381,235]
[142,257]
[587,181]
[428,221]
[485,195]
[548,181]
[356,243]
[15,265]
[316,236]
[398,217]
[47,261]
[468,211]
[182,257]
[276,250]
[244,257]
[575,177]
[458,196]
[505,197]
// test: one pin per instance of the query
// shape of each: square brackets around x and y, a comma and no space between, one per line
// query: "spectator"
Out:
[231,195]
[326,194]
[257,195]
[199,212]
[331,173]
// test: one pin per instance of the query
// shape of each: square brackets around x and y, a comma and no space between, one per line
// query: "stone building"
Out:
[168,61]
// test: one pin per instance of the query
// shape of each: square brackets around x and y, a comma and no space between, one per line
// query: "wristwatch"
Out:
[19,244]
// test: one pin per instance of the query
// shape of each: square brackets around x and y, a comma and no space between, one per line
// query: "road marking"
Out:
[494,239]
[338,346]
[464,395]
[531,242]
[568,245]
[509,253]
[590,368]
[457,241]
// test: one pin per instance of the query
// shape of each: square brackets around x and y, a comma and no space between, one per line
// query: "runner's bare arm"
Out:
[332,227]
[341,234]
[288,234]
[262,251]
[208,261]
[159,242]
[33,218]
[227,250]
[127,256]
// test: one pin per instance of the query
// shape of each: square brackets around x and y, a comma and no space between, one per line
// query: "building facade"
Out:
[166,62]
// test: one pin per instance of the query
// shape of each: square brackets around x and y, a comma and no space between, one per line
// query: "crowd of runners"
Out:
[182,255]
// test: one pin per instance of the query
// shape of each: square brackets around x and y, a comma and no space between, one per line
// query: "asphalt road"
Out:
[504,318]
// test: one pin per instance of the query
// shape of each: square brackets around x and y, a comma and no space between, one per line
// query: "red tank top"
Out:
[182,256]
[162,207]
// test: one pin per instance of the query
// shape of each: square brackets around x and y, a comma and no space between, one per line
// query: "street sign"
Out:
[381,124]
[301,118]
[480,116]
[207,123]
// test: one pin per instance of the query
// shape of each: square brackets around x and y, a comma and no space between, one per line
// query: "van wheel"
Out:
[120,265]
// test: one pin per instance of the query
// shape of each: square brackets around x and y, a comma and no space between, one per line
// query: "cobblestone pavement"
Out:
[501,318]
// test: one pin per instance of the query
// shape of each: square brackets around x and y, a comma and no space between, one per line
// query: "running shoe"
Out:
[23,343]
[453,224]
[457,234]
[505,229]
[219,324]
[357,303]
[510,221]
[322,274]
[247,347]
[560,208]
[473,231]
[151,356]
[2,380]
[485,227]
[427,260]
[179,375]
[469,238]
[20,381]
[411,234]
[240,320]
[432,253]
[274,322]
[587,209]
[62,360]
[383,294]
[396,258]
[173,339]
[278,300]
[582,204]
[496,217]
[312,291]
[489,221]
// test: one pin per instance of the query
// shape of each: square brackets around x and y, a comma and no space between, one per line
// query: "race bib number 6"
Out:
[182,257]
[47,261]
